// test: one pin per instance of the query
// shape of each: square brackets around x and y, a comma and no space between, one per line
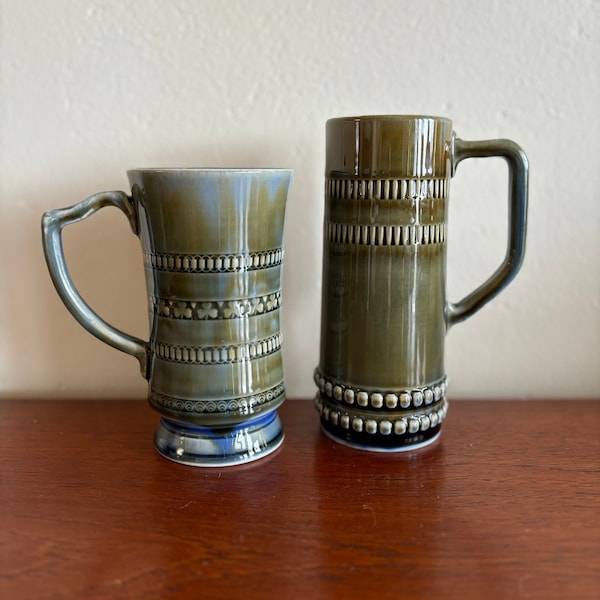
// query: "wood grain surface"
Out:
[504,505]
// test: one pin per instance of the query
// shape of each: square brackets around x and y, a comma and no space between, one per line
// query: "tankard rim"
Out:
[390,117]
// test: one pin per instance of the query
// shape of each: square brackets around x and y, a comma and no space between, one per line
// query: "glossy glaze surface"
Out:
[381,374]
[212,243]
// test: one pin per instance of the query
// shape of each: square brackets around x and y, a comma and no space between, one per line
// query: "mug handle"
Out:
[518,169]
[53,222]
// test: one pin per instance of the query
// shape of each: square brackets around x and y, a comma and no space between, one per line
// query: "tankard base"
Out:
[219,446]
[389,431]
[351,443]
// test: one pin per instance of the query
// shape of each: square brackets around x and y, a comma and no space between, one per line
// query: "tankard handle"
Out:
[53,222]
[517,222]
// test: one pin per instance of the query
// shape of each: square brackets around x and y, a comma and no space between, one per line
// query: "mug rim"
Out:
[209,170]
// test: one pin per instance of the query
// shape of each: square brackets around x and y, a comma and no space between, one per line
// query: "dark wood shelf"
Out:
[506,504]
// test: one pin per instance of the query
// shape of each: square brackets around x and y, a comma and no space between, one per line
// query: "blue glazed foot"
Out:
[219,446]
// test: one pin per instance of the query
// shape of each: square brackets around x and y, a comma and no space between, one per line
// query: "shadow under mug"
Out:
[212,244]
[381,378]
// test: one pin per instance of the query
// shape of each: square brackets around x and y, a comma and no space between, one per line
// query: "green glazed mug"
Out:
[212,244]
[381,378]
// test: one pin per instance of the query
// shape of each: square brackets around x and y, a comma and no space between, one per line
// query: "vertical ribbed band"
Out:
[388,146]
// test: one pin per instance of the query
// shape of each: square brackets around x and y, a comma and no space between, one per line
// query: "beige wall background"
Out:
[90,88]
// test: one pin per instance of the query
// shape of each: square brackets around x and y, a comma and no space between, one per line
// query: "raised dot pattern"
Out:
[409,424]
[242,405]
[391,400]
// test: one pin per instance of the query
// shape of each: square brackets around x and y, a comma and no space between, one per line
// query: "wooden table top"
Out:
[504,505]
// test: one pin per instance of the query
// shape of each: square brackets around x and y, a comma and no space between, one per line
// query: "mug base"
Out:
[200,446]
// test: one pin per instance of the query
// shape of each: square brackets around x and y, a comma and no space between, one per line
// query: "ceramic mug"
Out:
[212,244]
[381,378]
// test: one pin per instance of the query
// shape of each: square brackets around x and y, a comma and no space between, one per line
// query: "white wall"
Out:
[90,88]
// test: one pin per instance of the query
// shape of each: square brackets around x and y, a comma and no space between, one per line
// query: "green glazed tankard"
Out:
[212,244]
[381,378]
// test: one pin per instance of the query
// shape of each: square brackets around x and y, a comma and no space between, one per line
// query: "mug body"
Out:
[212,244]
[381,375]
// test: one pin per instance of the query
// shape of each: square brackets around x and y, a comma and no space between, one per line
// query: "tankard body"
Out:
[381,377]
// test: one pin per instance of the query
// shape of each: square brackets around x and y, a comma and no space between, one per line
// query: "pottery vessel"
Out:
[381,378]
[212,244]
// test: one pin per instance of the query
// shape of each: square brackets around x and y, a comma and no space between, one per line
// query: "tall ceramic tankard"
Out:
[212,249]
[381,378]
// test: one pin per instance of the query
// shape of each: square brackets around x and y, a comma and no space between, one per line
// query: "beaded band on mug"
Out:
[239,405]
[209,355]
[213,263]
